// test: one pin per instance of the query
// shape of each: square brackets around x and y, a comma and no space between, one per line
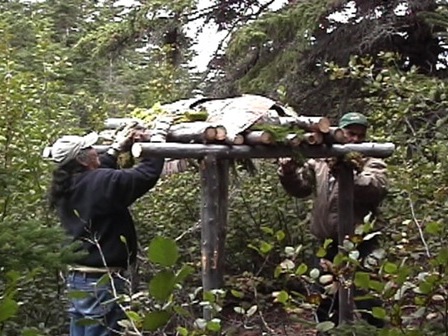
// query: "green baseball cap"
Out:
[353,118]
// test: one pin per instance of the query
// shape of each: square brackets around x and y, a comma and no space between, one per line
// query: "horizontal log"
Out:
[308,123]
[176,150]
[258,138]
[197,131]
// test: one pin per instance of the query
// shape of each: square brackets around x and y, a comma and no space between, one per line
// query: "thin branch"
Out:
[189,230]
[419,227]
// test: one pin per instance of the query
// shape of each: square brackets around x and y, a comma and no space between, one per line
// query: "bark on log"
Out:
[211,230]
[197,131]
[176,150]
[308,123]
[258,138]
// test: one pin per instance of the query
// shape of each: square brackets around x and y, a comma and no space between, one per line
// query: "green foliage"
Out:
[439,18]
[408,111]
[278,27]
[75,62]
[270,36]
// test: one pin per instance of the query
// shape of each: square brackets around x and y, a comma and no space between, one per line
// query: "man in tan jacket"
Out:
[315,178]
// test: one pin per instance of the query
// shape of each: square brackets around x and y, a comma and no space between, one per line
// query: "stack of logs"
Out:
[313,131]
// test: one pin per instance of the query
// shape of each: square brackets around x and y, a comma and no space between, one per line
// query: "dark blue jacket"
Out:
[96,212]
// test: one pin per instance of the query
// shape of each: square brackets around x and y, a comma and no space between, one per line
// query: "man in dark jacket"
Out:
[316,178]
[91,197]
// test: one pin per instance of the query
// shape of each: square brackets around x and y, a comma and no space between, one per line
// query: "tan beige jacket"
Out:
[370,189]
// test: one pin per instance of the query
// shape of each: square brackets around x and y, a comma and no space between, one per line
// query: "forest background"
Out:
[67,65]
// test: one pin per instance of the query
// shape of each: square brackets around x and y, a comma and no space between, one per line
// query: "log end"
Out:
[210,134]
[239,139]
[136,150]
[314,138]
[221,133]
[324,125]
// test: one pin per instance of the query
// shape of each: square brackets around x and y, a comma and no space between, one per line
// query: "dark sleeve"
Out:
[108,161]
[122,187]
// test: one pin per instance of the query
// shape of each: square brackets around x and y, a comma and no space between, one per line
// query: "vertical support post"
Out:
[223,190]
[214,187]
[346,228]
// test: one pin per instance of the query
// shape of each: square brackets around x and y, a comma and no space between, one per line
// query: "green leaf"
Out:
[362,280]
[181,311]
[155,320]
[282,297]
[301,269]
[379,313]
[237,294]
[77,295]
[433,228]
[183,273]
[162,285]
[267,230]
[390,268]
[376,286]
[214,325]
[280,235]
[104,280]
[278,270]
[265,247]
[182,331]
[327,243]
[123,240]
[321,252]
[425,287]
[209,297]
[8,308]
[163,251]
[442,256]
[325,326]
[132,315]
[338,259]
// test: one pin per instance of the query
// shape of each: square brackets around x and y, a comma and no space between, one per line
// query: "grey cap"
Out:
[69,146]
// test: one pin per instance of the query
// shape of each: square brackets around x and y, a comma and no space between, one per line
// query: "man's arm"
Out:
[297,182]
[108,161]
[371,183]
[122,187]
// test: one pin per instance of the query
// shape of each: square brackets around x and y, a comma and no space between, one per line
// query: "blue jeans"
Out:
[95,313]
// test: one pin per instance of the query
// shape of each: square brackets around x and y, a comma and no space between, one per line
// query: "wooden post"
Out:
[346,228]
[214,186]
[223,207]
